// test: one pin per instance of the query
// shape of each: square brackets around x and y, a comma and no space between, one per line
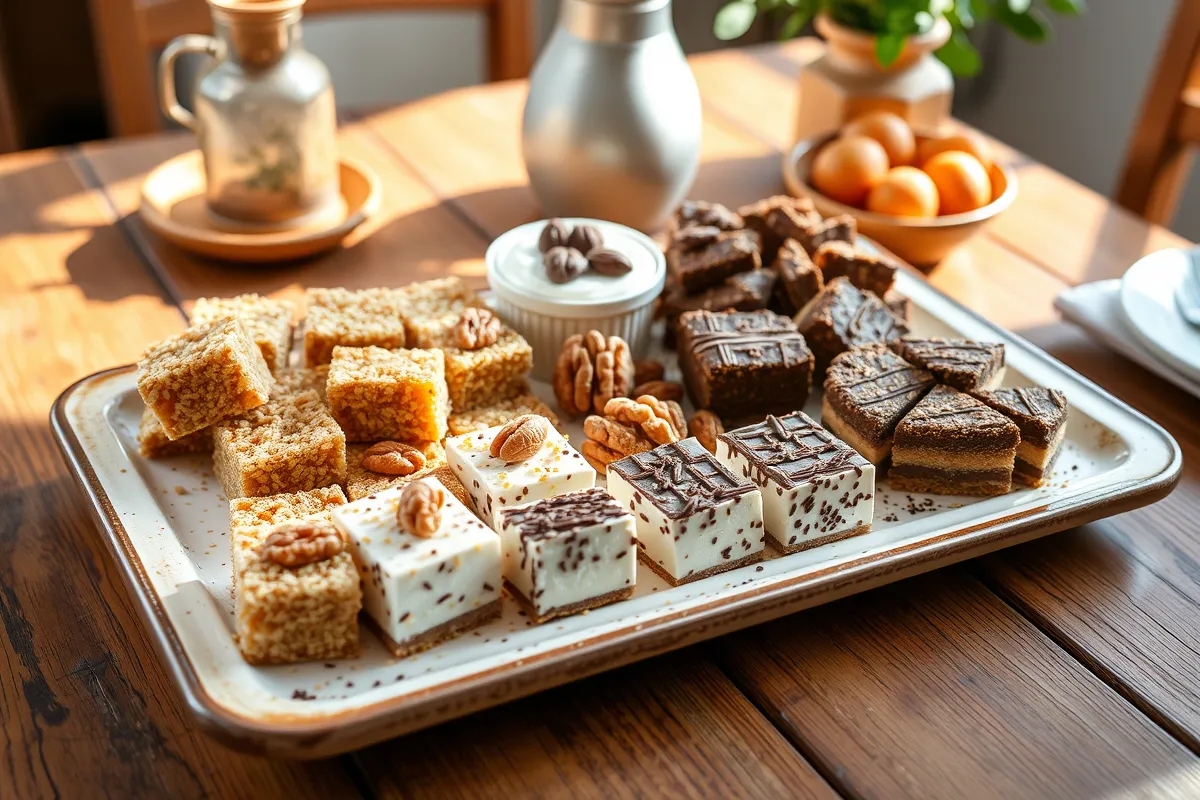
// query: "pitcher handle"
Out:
[167,98]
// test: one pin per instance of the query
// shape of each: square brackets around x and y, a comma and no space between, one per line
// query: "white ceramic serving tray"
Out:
[166,522]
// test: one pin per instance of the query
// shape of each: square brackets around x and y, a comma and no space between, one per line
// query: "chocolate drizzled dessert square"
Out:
[777,218]
[843,316]
[746,291]
[868,390]
[570,553]
[816,489]
[694,518]
[1041,414]
[961,363]
[694,267]
[799,279]
[741,363]
[868,271]
[951,443]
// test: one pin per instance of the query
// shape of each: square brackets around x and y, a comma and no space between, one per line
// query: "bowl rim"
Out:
[798,187]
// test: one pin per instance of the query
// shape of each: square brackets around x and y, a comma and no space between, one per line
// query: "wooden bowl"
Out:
[919,241]
[173,206]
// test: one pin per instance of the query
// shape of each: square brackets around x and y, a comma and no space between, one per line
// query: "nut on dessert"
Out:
[393,458]
[564,264]
[520,439]
[706,427]
[591,370]
[585,239]
[419,509]
[477,328]
[298,542]
[609,263]
[555,234]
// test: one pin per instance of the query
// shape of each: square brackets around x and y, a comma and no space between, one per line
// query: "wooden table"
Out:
[1063,668]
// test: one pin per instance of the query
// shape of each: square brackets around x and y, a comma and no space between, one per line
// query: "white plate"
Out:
[166,523]
[1148,302]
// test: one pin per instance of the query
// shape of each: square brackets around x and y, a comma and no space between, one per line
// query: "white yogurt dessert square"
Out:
[494,485]
[694,517]
[570,553]
[421,591]
[816,489]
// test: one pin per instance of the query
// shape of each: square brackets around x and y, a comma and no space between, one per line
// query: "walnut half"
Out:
[477,328]
[393,458]
[298,542]
[591,370]
[419,510]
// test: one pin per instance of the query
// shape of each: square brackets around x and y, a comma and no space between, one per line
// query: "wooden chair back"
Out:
[129,33]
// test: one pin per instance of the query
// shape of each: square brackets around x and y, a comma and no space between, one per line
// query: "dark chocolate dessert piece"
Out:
[963,364]
[951,443]
[777,218]
[841,228]
[1041,414]
[698,212]
[680,479]
[739,363]
[868,271]
[799,279]
[843,316]
[746,291]
[868,390]
[694,269]
[899,304]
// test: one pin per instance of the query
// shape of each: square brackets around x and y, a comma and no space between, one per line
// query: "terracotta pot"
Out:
[847,80]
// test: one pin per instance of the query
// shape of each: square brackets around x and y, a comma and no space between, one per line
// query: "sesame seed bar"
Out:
[294,381]
[500,413]
[153,441]
[268,322]
[286,615]
[399,395]
[201,376]
[291,444]
[432,308]
[340,317]
[483,377]
[361,482]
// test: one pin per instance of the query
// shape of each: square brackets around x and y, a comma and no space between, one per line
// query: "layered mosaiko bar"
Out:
[843,316]
[494,486]
[344,318]
[420,592]
[815,488]
[951,443]
[870,272]
[1041,414]
[201,376]
[268,322]
[570,553]
[399,395]
[868,390]
[285,615]
[694,517]
[966,365]
[740,363]
[290,444]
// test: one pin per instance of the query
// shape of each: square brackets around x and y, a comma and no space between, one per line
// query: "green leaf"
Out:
[887,48]
[734,19]
[960,55]
[1030,26]
[795,23]
[1070,8]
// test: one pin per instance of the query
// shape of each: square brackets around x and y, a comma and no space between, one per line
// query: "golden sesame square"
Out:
[399,395]
[432,309]
[268,322]
[341,317]
[500,413]
[484,377]
[153,441]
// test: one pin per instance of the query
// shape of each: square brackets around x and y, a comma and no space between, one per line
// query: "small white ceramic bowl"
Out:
[546,313]
[921,242]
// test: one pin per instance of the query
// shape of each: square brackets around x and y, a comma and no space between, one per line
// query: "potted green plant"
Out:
[892,22]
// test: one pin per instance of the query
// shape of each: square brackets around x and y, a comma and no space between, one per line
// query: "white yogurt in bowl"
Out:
[546,313]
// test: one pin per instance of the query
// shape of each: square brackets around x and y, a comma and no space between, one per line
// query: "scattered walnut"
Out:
[647,370]
[650,415]
[302,541]
[663,390]
[706,427]
[477,328]
[393,458]
[591,370]
[520,438]
[555,234]
[419,510]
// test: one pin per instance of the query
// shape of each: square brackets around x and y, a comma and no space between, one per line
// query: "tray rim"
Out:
[339,732]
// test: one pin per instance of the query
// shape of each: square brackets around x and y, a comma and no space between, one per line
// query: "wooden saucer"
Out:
[173,207]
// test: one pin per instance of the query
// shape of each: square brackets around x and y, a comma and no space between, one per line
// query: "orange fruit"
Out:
[849,167]
[966,141]
[904,192]
[890,130]
[962,182]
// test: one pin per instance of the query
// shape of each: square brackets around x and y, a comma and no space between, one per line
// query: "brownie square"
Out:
[868,271]
[694,269]
[739,363]
[746,291]
[776,219]
[699,213]
[842,316]
[799,279]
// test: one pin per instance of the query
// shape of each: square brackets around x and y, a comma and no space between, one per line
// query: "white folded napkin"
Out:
[1096,307]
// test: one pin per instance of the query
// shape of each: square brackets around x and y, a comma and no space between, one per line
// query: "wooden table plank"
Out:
[86,708]
[673,726]
[935,688]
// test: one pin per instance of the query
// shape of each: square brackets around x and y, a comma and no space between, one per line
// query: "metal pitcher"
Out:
[612,122]
[265,115]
